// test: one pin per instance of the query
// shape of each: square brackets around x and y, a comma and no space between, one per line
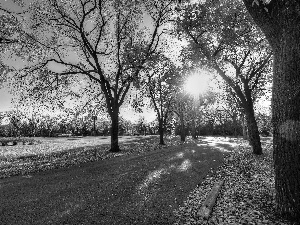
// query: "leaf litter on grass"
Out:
[47,156]
[247,196]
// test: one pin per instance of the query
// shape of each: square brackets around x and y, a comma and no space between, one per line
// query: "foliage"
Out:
[264,123]
[44,125]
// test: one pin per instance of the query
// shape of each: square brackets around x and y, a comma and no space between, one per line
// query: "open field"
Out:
[64,152]
[51,145]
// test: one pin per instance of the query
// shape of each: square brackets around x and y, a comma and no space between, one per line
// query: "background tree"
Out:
[126,126]
[190,111]
[264,121]
[140,126]
[161,85]
[180,108]
[16,121]
[279,20]
[233,108]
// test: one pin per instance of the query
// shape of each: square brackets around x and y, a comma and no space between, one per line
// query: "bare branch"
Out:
[229,81]
[262,64]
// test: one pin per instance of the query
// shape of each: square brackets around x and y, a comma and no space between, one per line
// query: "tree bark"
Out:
[182,130]
[281,25]
[286,124]
[194,136]
[235,124]
[253,133]
[161,131]
[245,130]
[114,131]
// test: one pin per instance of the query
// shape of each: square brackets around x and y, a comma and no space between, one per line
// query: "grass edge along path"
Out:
[25,165]
[246,197]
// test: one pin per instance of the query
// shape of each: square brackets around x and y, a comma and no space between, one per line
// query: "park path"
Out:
[134,189]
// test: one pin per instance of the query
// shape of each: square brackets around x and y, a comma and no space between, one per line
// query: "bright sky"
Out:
[5,99]
[198,82]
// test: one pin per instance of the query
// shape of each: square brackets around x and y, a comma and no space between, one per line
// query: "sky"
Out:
[5,99]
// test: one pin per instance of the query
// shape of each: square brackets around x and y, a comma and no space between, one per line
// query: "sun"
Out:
[197,83]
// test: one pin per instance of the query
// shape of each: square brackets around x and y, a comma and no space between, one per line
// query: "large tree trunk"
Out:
[114,132]
[282,29]
[286,124]
[253,133]
[161,131]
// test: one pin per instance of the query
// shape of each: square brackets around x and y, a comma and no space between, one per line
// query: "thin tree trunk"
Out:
[194,129]
[235,124]
[245,129]
[115,131]
[182,130]
[253,133]
[194,136]
[161,132]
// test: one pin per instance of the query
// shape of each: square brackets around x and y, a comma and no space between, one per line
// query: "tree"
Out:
[279,21]
[190,109]
[223,39]
[233,109]
[109,42]
[15,119]
[264,122]
[140,126]
[126,126]
[180,108]
[161,86]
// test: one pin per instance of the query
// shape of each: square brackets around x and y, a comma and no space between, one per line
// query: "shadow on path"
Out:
[140,189]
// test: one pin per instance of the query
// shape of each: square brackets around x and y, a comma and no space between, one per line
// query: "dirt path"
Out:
[141,189]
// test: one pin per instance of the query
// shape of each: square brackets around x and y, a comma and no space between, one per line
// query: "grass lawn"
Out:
[44,146]
[64,152]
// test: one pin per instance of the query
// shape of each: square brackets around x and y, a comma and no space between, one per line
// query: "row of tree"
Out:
[206,119]
[16,124]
